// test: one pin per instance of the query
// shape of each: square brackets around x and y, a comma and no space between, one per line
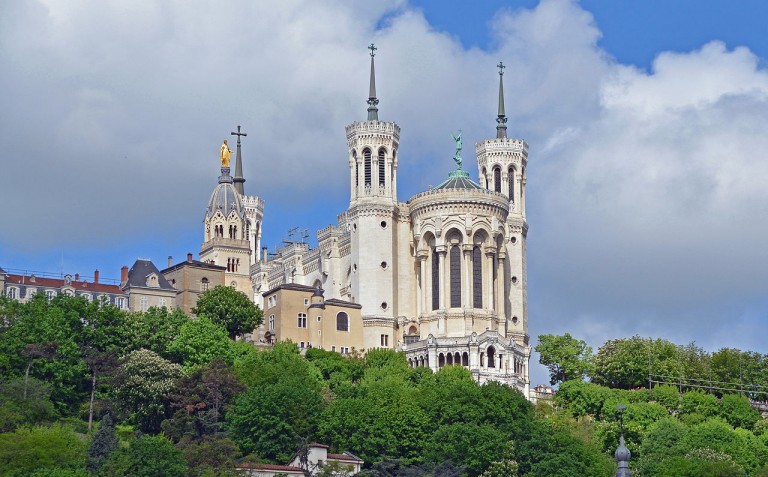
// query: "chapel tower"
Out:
[232,224]
[372,219]
[501,163]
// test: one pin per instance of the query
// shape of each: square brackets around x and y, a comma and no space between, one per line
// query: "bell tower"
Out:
[501,163]
[372,219]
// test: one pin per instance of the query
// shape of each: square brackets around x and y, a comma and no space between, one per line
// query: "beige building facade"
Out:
[301,314]
[192,278]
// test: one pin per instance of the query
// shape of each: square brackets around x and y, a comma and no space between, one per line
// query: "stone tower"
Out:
[229,235]
[501,163]
[372,219]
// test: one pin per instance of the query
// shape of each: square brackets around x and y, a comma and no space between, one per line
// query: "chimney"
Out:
[170,261]
[123,275]
[264,254]
[96,276]
[189,257]
[77,277]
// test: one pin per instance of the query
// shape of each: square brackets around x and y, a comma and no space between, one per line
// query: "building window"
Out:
[357,168]
[384,340]
[302,320]
[477,277]
[511,181]
[344,350]
[367,160]
[301,345]
[491,361]
[381,168]
[306,301]
[162,303]
[333,348]
[342,321]
[50,294]
[271,322]
[455,277]
[204,284]
[435,280]
[120,302]
[497,179]
[143,302]
[318,319]
[87,297]
[13,293]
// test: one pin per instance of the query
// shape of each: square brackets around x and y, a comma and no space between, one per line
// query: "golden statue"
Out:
[225,154]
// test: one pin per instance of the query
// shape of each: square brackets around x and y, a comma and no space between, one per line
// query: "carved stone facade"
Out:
[441,277]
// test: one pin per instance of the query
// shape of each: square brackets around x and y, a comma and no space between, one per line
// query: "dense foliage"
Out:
[87,389]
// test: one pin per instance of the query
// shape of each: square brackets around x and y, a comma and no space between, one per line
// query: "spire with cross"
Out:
[501,118]
[373,110]
[239,179]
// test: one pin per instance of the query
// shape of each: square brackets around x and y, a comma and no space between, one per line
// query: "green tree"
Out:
[506,467]
[738,411]
[147,456]
[565,357]
[15,410]
[281,406]
[199,342]
[141,385]
[27,450]
[103,444]
[230,308]
[209,456]
[156,329]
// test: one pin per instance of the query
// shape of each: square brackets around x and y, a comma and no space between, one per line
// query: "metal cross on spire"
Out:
[373,49]
[501,68]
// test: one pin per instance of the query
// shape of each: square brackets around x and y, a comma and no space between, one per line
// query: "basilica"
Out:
[441,277]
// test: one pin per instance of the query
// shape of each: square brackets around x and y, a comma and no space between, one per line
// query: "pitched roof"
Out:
[81,285]
[345,456]
[194,263]
[141,269]
[270,467]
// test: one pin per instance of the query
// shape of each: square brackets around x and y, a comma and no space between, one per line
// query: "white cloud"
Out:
[646,190]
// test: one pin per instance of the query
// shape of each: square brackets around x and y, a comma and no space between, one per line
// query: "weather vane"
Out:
[501,68]
[373,50]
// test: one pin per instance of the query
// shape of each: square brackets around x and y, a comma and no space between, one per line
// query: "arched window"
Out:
[435,280]
[367,160]
[357,168]
[204,284]
[342,322]
[477,278]
[381,168]
[455,277]
[465,359]
[497,179]
[485,178]
[511,180]
[441,360]
[491,361]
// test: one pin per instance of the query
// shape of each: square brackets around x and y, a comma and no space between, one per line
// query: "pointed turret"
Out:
[239,179]
[373,110]
[501,119]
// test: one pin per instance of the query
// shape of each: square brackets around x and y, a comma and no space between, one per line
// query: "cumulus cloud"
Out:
[645,189]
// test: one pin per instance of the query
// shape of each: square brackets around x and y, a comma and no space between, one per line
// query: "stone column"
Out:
[441,274]
[466,289]
[500,285]
[421,302]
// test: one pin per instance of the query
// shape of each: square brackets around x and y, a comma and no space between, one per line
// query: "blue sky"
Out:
[646,122]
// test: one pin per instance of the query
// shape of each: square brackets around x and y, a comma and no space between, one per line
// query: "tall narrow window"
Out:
[491,360]
[204,284]
[271,322]
[342,322]
[477,278]
[367,156]
[455,277]
[357,168]
[511,179]
[381,168]
[435,280]
[301,320]
[497,179]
